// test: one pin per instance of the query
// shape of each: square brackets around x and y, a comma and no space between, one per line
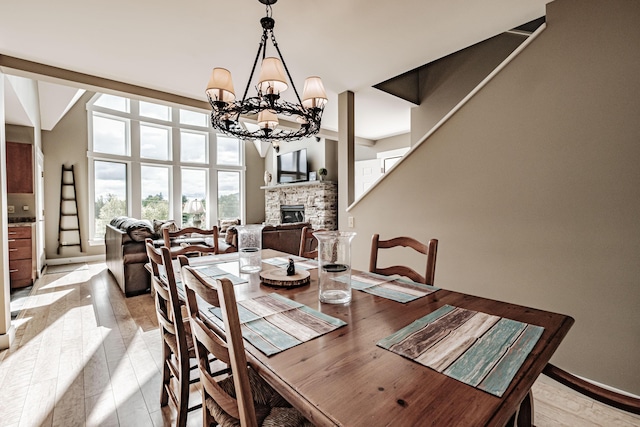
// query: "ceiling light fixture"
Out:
[267,105]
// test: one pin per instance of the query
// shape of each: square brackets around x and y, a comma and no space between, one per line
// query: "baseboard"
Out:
[8,338]
[75,260]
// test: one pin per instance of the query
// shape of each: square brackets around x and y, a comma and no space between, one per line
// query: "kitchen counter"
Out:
[20,221]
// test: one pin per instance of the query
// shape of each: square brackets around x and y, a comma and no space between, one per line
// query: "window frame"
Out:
[134,161]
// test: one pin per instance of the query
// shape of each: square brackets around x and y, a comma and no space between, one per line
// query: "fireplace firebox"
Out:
[291,213]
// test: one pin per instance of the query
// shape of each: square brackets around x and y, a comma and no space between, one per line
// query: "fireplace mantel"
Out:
[319,198]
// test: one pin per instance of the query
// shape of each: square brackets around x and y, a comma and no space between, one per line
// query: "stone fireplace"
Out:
[315,202]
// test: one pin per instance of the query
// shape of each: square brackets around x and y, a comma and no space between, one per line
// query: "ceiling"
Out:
[172,46]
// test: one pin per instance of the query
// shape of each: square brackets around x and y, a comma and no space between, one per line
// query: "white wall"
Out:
[533,188]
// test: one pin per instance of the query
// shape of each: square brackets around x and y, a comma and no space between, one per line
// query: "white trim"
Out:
[455,109]
[75,260]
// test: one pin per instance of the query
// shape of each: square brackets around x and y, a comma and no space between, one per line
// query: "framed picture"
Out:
[312,176]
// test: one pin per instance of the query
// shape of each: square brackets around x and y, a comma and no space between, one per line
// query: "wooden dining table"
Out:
[343,378]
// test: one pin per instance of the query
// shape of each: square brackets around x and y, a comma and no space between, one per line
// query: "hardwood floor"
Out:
[85,355]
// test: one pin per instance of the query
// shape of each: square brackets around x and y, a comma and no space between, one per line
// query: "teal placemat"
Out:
[390,287]
[479,349]
[215,272]
[273,323]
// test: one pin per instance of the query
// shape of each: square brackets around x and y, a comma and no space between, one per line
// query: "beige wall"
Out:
[66,144]
[447,81]
[254,180]
[533,188]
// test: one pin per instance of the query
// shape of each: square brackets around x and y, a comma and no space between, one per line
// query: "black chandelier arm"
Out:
[284,64]
[261,47]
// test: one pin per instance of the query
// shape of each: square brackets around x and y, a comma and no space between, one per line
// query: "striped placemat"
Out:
[390,287]
[273,323]
[479,349]
[215,272]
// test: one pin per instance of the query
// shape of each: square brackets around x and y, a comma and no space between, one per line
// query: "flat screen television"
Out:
[293,166]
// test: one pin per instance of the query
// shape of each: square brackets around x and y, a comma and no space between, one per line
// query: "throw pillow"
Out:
[159,225]
[139,230]
[226,223]
[231,233]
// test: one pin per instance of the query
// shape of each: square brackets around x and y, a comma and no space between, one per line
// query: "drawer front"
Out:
[20,269]
[19,243]
[23,252]
[19,232]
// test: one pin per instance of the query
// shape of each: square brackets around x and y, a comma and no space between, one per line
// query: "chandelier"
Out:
[267,105]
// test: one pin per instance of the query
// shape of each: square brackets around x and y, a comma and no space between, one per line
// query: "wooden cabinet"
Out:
[22,271]
[19,168]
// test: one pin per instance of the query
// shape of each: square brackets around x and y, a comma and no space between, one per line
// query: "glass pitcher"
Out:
[334,266]
[250,247]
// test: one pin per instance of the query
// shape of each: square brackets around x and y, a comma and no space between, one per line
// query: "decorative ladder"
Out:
[68,211]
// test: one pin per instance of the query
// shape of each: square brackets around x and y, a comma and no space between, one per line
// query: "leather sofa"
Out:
[282,237]
[126,254]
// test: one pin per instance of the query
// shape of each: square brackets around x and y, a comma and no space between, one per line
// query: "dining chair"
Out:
[191,240]
[308,243]
[175,330]
[242,397]
[430,250]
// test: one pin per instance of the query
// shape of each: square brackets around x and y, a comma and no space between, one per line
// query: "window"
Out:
[228,151]
[228,195]
[147,160]
[155,192]
[110,190]
[194,187]
[110,135]
[155,142]
[193,118]
[193,147]
[155,111]
[113,102]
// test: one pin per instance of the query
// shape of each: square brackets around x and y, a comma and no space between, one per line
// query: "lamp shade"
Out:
[193,206]
[220,87]
[272,78]
[267,119]
[313,94]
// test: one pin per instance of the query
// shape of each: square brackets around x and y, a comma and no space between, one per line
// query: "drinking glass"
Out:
[334,266]
[250,247]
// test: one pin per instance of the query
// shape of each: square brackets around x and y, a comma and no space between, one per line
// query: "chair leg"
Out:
[184,393]
[525,413]
[166,374]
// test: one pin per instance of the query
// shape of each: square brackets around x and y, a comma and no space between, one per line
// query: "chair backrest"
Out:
[190,240]
[430,250]
[163,280]
[226,345]
[608,397]
[308,243]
